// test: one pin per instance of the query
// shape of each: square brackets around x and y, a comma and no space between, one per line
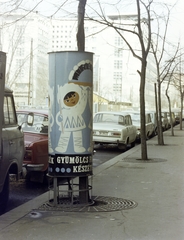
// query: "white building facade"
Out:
[27,40]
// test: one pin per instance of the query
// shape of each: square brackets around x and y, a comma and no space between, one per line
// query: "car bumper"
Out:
[107,140]
[33,167]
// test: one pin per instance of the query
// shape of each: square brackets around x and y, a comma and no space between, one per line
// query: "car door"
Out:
[13,135]
[131,131]
[4,157]
[149,125]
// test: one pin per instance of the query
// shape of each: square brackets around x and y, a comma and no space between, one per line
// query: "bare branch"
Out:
[59,8]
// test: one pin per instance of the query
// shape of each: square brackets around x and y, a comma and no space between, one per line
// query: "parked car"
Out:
[154,121]
[114,128]
[36,143]
[136,120]
[177,114]
[165,121]
[173,123]
[12,145]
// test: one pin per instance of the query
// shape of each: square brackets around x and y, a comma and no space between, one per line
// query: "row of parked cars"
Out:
[121,128]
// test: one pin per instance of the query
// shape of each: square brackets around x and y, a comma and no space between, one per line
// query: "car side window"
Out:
[149,118]
[9,112]
[40,124]
[21,118]
[122,120]
[97,118]
[128,120]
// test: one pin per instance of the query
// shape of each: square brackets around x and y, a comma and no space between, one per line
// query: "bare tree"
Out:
[169,77]
[158,46]
[178,83]
[142,30]
[15,34]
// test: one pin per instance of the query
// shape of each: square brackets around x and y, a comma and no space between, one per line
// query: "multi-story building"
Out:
[119,80]
[63,35]
[25,39]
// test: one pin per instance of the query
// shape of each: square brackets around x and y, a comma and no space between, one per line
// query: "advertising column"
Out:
[70,113]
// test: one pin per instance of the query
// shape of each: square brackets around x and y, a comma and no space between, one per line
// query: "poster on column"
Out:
[70,113]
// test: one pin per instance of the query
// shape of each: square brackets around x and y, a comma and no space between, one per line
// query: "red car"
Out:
[36,143]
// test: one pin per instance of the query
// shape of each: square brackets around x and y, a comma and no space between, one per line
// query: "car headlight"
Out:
[28,155]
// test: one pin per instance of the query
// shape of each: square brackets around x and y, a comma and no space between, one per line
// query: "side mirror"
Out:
[30,119]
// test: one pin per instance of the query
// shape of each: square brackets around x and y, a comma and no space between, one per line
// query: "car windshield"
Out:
[109,118]
[135,117]
[40,124]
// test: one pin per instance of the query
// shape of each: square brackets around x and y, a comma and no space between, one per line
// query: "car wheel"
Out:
[46,178]
[132,144]
[122,147]
[148,136]
[4,195]
[156,131]
[153,134]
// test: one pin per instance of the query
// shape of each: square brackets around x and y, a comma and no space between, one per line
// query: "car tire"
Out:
[156,131]
[148,136]
[4,195]
[132,144]
[122,147]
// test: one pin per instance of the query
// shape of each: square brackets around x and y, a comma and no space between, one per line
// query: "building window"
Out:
[118,41]
[118,64]
[118,52]
[20,52]
[117,77]
[117,87]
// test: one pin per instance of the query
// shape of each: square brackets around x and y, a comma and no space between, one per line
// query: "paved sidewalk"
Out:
[156,186]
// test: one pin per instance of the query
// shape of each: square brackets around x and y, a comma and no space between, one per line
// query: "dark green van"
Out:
[12,146]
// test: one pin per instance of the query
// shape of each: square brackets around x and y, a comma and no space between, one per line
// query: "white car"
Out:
[154,121]
[136,120]
[165,121]
[173,119]
[114,128]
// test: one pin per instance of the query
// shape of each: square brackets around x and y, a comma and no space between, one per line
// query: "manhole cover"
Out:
[98,204]
[137,160]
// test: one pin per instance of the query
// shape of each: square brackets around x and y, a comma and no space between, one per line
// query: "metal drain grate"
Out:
[98,204]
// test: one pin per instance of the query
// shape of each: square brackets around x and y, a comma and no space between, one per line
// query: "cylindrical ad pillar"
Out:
[70,113]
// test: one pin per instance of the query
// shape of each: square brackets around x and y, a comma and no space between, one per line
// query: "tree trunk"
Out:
[144,155]
[83,181]
[156,107]
[80,33]
[169,102]
[171,121]
[160,132]
[181,111]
